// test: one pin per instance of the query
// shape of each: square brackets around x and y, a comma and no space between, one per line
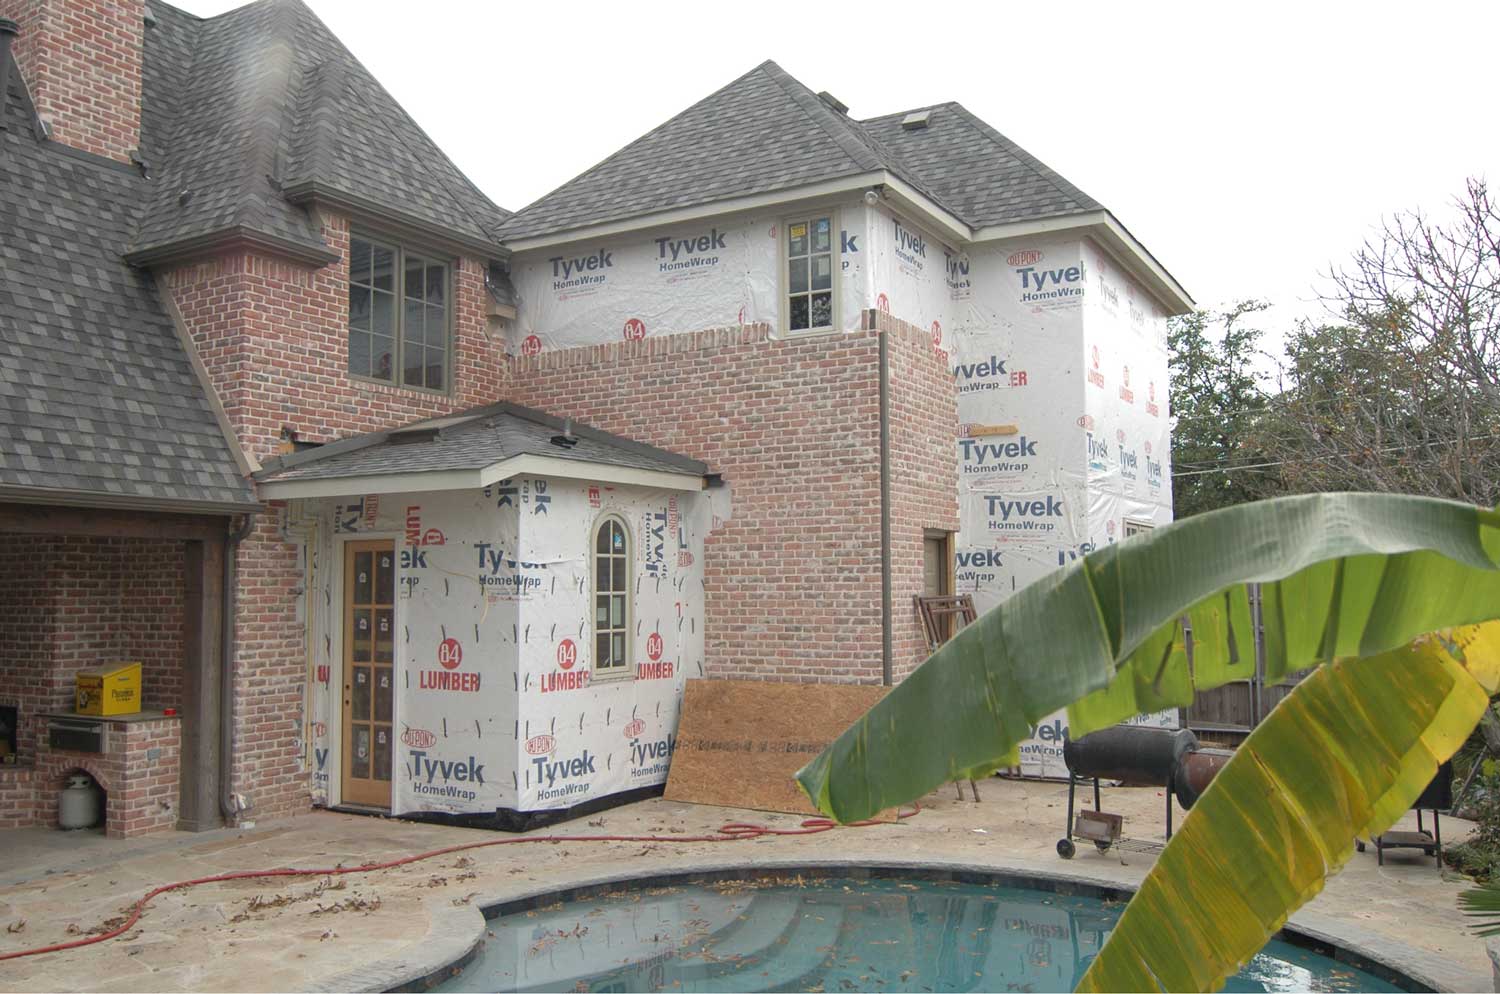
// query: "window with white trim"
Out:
[809,274]
[611,597]
[398,315]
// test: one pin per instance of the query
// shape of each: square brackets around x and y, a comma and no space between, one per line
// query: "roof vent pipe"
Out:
[567,439]
[8,30]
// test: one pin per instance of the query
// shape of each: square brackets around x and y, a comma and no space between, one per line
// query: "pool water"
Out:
[834,935]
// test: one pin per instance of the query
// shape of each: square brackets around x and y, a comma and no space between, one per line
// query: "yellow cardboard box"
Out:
[110,690]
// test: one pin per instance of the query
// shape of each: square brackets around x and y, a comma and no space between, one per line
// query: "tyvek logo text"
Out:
[1017,516]
[987,458]
[566,771]
[438,777]
[651,758]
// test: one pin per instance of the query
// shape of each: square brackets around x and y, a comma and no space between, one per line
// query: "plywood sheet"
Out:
[740,743]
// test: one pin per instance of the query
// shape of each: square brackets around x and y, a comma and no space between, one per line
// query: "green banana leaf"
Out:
[1345,754]
[1342,575]
[1483,902]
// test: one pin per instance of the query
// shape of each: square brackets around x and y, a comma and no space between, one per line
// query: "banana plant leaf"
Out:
[1483,902]
[1345,754]
[1342,575]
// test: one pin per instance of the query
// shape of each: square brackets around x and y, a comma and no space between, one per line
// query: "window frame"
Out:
[401,246]
[785,281]
[625,671]
[1131,527]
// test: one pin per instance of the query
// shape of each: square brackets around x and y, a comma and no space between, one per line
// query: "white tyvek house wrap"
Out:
[1024,324]
[669,281]
[501,574]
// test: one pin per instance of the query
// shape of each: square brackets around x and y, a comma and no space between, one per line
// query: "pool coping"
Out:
[455,932]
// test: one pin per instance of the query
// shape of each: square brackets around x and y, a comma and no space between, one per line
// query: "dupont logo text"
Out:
[418,738]
[541,745]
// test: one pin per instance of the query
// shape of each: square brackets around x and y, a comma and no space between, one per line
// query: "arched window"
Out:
[612,582]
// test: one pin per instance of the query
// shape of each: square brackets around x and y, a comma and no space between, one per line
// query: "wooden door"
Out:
[369,677]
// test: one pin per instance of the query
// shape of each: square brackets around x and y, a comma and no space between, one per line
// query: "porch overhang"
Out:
[478,478]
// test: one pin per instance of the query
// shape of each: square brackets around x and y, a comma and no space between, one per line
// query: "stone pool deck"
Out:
[389,926]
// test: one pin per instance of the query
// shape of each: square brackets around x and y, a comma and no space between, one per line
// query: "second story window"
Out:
[809,274]
[398,315]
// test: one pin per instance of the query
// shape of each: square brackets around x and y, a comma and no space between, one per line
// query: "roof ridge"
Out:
[833,124]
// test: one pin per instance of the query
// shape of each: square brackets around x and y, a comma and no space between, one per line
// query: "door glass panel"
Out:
[383,695]
[360,650]
[385,578]
[384,641]
[362,580]
[359,697]
[359,763]
[382,754]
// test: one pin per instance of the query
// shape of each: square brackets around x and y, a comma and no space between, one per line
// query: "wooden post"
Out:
[203,653]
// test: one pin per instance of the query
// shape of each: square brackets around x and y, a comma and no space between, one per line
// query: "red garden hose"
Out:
[732,832]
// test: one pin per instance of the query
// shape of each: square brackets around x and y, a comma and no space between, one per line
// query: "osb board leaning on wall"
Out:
[740,743]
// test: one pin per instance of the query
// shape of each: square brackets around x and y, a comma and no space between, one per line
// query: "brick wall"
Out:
[273,336]
[74,602]
[793,580]
[81,60]
[924,473]
[139,772]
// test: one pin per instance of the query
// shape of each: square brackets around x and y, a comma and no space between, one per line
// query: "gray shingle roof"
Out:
[471,440]
[766,132]
[97,396]
[244,109]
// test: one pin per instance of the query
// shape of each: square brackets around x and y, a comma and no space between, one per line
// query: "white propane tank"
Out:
[78,803]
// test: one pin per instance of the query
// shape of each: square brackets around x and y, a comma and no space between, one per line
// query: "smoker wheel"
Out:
[1065,848]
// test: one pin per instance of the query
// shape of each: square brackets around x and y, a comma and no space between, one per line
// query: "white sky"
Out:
[1247,145]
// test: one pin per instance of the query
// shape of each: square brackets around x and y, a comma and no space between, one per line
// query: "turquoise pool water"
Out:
[833,935]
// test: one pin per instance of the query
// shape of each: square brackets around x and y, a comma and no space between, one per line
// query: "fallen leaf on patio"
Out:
[16,926]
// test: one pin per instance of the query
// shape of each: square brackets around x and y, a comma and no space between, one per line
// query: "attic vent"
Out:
[567,439]
[409,436]
[916,120]
[834,102]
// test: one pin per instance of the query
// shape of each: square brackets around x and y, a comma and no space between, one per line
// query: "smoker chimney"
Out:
[8,30]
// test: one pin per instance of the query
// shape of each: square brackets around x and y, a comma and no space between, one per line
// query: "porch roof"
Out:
[472,449]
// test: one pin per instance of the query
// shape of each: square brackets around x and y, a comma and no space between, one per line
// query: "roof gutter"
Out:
[120,502]
[238,237]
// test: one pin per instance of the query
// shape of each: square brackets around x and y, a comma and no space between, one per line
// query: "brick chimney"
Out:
[81,60]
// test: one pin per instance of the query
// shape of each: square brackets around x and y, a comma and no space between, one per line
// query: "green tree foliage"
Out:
[1216,399]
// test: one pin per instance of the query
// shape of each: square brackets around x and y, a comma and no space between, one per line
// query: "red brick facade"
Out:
[793,581]
[81,60]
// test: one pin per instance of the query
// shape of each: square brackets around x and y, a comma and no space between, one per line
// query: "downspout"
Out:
[228,799]
[886,650]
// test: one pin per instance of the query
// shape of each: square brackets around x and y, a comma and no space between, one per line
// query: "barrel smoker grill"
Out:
[1149,756]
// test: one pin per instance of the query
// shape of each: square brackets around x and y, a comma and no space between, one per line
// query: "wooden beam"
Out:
[202,679]
[41,519]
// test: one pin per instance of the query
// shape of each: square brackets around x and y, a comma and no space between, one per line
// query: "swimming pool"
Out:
[803,932]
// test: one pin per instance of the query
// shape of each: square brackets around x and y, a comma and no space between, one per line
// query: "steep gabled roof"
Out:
[762,133]
[99,403]
[248,115]
[766,132]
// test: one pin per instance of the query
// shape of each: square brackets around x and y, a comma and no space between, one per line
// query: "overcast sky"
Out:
[1247,146]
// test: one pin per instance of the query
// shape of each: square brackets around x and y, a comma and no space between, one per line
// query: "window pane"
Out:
[617,610]
[799,313]
[359,353]
[383,266]
[601,540]
[437,284]
[601,652]
[822,272]
[385,577]
[436,366]
[797,238]
[360,698]
[412,375]
[364,568]
[822,310]
[385,639]
[619,573]
[415,280]
[359,307]
[359,650]
[601,611]
[359,260]
[383,313]
[617,536]
[359,763]
[601,573]
[382,754]
[412,331]
[617,650]
[796,271]
[383,357]
[383,695]
[822,232]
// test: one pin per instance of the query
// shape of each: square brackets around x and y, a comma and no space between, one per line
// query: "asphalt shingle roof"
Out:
[97,396]
[766,132]
[240,107]
[473,439]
